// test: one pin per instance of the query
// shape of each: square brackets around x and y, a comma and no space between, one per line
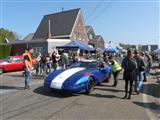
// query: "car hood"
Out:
[67,77]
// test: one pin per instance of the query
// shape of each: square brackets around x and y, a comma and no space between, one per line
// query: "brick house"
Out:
[58,29]
[96,41]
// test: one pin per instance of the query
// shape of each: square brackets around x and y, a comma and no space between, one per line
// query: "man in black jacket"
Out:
[129,65]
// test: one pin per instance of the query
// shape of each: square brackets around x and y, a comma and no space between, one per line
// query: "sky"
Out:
[118,21]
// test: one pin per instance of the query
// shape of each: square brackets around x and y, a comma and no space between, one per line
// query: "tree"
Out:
[5,49]
[4,33]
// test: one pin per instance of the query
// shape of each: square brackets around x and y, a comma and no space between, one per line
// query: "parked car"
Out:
[11,63]
[80,77]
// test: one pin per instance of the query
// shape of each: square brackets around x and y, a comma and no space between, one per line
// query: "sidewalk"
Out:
[151,92]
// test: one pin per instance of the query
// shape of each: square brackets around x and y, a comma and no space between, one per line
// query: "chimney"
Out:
[49,29]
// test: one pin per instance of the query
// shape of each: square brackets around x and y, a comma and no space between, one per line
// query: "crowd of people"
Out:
[135,65]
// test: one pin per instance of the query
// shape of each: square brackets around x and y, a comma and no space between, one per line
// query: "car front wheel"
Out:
[90,85]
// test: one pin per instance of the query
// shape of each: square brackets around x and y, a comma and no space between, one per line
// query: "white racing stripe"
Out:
[58,81]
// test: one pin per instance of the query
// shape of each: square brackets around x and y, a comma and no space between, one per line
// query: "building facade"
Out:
[96,41]
[55,30]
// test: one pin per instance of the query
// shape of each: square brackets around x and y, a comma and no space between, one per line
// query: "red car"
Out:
[11,63]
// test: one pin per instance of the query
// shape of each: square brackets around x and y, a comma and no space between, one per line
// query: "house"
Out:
[58,29]
[96,41]
[99,41]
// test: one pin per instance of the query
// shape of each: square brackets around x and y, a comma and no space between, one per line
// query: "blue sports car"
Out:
[80,77]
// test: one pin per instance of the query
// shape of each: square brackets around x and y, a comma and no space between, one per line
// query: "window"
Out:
[74,36]
[16,59]
[90,36]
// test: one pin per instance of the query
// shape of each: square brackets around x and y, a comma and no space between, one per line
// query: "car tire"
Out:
[90,85]
[108,78]
[1,70]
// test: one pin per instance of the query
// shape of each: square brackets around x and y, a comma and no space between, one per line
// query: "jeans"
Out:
[138,80]
[43,68]
[48,69]
[27,77]
[54,66]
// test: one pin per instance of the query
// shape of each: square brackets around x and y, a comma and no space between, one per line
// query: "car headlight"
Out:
[82,81]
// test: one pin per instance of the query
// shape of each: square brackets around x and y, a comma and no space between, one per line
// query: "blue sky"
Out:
[119,21]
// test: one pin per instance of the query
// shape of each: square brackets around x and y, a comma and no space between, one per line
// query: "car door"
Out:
[101,72]
[17,64]
[98,74]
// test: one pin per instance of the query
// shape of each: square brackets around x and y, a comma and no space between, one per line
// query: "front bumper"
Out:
[70,89]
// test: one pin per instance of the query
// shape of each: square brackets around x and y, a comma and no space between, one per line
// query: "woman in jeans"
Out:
[28,68]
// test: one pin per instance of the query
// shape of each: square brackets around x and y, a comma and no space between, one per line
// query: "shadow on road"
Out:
[104,85]
[106,89]
[11,87]
[52,93]
[151,106]
[21,76]
[104,96]
[152,89]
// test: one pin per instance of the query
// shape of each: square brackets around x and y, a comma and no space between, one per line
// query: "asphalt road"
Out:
[104,103]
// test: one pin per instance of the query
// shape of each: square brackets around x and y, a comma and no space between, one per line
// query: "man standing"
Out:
[28,61]
[129,64]
[28,53]
[139,71]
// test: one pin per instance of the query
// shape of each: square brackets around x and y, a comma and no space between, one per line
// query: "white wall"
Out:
[53,43]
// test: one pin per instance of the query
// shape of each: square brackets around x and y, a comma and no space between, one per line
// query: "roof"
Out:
[28,37]
[99,37]
[14,41]
[61,23]
[89,29]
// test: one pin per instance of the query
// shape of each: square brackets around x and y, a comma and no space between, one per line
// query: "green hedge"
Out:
[5,50]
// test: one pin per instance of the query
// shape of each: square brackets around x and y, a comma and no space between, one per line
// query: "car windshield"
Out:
[91,64]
